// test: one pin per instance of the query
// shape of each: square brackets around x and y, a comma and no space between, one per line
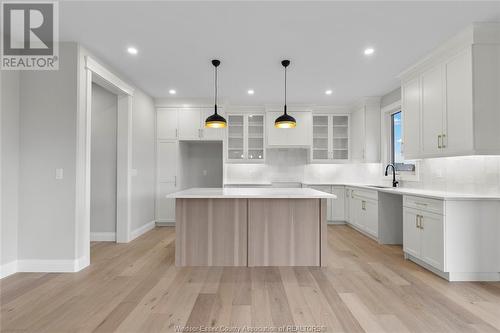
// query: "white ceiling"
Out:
[323,40]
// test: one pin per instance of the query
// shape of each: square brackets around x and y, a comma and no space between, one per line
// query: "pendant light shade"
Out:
[285,120]
[215,120]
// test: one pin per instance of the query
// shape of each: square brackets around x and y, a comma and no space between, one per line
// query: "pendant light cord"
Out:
[285,90]
[215,90]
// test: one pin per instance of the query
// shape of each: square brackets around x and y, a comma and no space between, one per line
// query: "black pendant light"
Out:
[215,120]
[285,120]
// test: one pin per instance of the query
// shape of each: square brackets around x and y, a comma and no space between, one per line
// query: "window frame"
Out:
[387,140]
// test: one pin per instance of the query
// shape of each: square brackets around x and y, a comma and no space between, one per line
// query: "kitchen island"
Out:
[250,227]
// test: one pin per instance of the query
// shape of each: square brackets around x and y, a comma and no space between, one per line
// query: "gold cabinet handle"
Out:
[363,205]
[439,141]
[421,222]
[416,222]
[443,144]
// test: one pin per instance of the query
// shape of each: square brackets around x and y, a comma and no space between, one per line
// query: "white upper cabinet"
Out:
[457,118]
[299,136]
[450,99]
[192,125]
[330,138]
[245,138]
[189,124]
[186,124]
[432,110]
[410,99]
[166,123]
[365,131]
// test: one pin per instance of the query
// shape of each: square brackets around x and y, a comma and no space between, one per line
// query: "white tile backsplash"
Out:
[470,174]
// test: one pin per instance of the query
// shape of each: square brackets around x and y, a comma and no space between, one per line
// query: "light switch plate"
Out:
[59,173]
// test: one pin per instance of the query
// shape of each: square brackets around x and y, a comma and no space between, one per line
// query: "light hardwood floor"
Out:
[136,288]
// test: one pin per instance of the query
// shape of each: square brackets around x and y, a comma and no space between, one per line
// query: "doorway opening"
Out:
[103,153]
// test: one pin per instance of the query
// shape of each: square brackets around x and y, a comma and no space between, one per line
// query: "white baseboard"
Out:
[48,265]
[43,266]
[142,230]
[103,236]
[165,223]
[457,276]
[335,222]
[8,269]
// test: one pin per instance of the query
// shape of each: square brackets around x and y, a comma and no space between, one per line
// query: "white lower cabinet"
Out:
[165,208]
[423,231]
[363,210]
[338,205]
[347,202]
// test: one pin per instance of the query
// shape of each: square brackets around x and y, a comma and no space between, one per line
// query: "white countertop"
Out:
[443,195]
[265,193]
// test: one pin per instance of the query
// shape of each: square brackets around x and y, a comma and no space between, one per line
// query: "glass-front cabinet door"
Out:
[330,138]
[320,149]
[245,138]
[255,137]
[235,137]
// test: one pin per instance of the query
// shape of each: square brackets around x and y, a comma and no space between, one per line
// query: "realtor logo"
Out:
[30,36]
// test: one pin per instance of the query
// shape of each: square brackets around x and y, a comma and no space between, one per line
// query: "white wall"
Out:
[143,160]
[9,96]
[103,161]
[201,164]
[48,102]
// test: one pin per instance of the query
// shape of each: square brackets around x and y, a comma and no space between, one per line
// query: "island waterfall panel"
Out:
[250,232]
[211,232]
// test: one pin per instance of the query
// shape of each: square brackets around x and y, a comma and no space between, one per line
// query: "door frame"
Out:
[95,72]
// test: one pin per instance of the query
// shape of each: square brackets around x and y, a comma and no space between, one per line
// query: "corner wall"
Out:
[48,103]
[143,162]
[9,97]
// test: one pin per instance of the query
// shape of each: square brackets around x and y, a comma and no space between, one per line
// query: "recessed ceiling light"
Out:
[251,91]
[132,50]
[369,51]
[328,92]
[172,92]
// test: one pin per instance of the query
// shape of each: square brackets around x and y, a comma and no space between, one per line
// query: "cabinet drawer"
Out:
[426,204]
[365,194]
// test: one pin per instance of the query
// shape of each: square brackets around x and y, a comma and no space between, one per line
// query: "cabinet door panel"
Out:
[432,109]
[370,220]
[165,208]
[411,234]
[458,116]
[433,240]
[338,205]
[411,118]
[347,208]
[166,124]
[357,213]
[189,124]
[167,161]
[358,135]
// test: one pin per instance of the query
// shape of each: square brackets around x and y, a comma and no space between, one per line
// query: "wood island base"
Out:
[250,232]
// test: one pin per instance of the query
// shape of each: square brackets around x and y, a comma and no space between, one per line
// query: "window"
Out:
[397,157]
